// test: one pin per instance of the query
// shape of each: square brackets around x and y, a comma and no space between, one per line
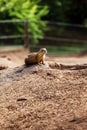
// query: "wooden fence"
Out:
[58,34]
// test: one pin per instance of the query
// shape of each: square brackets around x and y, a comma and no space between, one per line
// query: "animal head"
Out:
[43,50]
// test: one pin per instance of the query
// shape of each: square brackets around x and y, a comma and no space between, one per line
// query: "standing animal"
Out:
[35,58]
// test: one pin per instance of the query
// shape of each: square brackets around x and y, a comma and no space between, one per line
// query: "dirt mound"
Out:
[41,98]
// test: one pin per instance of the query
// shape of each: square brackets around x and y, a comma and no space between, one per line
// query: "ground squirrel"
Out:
[38,57]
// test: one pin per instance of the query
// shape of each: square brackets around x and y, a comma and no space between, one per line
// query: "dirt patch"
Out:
[13,58]
[41,98]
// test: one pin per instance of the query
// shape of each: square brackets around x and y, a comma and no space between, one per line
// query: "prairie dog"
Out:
[38,57]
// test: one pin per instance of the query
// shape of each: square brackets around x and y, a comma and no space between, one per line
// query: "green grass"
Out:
[65,49]
[53,50]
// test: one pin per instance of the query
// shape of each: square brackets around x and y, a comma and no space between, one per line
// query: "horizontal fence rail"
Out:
[47,38]
[11,36]
[67,24]
[56,34]
[66,40]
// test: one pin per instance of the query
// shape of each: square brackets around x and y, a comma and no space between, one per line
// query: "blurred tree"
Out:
[76,11]
[72,11]
[55,10]
[26,9]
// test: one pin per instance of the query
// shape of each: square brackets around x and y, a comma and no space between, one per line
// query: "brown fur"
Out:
[34,58]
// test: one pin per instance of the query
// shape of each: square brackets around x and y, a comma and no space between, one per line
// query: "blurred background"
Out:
[59,25]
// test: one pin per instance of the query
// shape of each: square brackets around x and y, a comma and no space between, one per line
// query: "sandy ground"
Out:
[42,98]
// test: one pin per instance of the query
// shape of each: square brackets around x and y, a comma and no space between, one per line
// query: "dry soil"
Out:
[41,98]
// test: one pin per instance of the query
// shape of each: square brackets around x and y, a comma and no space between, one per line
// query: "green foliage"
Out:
[35,11]
[26,10]
[71,11]
[85,22]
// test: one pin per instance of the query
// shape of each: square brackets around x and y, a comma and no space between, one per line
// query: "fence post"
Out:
[26,38]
